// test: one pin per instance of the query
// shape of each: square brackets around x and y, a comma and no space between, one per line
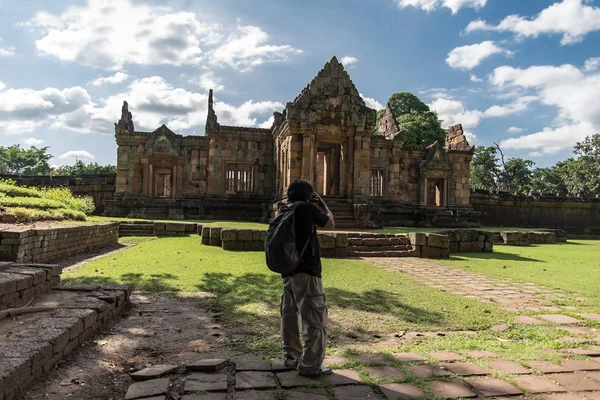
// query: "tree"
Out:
[484,168]
[582,175]
[32,161]
[421,125]
[548,180]
[80,168]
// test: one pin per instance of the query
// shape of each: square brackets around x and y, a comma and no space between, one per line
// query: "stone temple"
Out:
[326,135]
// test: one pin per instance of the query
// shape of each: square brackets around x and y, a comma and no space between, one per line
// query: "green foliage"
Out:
[30,202]
[548,180]
[484,168]
[64,195]
[515,176]
[80,168]
[33,214]
[9,182]
[421,125]
[17,191]
[32,161]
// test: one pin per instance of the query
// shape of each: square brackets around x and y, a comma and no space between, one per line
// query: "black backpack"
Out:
[280,243]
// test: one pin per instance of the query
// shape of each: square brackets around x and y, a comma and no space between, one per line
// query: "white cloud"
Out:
[471,137]
[268,123]
[453,112]
[476,79]
[6,51]
[535,154]
[24,110]
[514,130]
[77,154]
[112,79]
[2,86]
[208,81]
[431,5]
[33,142]
[551,140]
[468,57]
[518,105]
[574,92]
[371,102]
[248,47]
[572,19]
[112,33]
[592,64]
[348,60]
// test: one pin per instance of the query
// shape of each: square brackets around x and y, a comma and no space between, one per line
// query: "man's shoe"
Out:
[291,363]
[323,370]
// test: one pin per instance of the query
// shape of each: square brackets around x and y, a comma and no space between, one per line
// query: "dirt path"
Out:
[157,330]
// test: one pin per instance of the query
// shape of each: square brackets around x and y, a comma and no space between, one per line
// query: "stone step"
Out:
[141,227]
[398,247]
[378,253]
[134,233]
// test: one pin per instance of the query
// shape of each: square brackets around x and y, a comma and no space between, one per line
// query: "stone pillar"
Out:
[307,156]
[150,181]
[423,191]
[296,158]
[365,165]
[357,192]
[124,166]
[146,178]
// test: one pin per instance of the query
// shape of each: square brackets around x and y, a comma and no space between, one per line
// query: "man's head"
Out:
[299,190]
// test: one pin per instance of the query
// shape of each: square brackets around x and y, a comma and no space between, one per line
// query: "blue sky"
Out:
[525,74]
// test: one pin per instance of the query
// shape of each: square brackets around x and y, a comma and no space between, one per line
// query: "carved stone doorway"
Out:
[436,192]
[328,168]
[163,184]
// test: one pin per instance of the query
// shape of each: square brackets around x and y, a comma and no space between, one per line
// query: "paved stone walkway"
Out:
[477,374]
[509,295]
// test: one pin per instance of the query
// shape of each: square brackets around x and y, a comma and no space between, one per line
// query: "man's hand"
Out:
[330,223]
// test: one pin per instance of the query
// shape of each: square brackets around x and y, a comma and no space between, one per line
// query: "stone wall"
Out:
[20,283]
[575,215]
[469,241]
[101,186]
[47,244]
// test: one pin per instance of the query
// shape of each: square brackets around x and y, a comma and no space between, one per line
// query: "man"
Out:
[303,290]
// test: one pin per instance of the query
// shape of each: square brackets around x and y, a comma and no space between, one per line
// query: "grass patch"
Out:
[30,202]
[17,191]
[572,266]
[33,214]
[365,300]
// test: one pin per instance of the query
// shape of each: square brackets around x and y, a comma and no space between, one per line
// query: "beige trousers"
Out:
[304,294]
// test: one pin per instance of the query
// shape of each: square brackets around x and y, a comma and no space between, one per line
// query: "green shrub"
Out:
[33,214]
[9,182]
[17,191]
[31,202]
[84,204]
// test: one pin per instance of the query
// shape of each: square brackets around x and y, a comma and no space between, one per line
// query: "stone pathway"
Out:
[509,295]
[477,374]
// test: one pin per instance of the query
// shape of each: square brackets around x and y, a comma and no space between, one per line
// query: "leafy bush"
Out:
[9,182]
[33,214]
[17,191]
[31,202]
[83,204]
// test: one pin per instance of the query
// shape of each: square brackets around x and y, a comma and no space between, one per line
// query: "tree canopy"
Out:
[421,125]
[33,161]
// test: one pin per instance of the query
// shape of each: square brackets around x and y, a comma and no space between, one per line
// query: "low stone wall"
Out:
[429,245]
[469,241]
[516,238]
[47,244]
[33,351]
[20,283]
[149,228]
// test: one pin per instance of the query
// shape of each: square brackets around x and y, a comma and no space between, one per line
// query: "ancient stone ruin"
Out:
[325,135]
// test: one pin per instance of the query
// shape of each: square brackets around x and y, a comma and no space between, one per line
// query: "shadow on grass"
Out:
[250,305]
[139,281]
[493,256]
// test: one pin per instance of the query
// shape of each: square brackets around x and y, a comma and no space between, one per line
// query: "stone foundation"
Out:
[469,241]
[20,283]
[48,244]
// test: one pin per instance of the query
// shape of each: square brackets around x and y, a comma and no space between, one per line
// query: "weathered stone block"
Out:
[159,227]
[371,242]
[435,240]
[341,252]
[245,235]
[228,235]
[454,247]
[328,252]
[327,241]
[355,241]
[418,238]
[383,242]
[175,227]
[414,251]
[431,252]
[488,247]
[341,240]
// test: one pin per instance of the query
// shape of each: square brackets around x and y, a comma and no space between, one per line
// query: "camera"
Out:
[314,198]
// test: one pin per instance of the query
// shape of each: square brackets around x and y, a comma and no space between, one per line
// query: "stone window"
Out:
[376,183]
[240,178]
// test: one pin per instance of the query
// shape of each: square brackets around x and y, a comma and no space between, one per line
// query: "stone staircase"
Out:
[141,228]
[343,212]
[378,245]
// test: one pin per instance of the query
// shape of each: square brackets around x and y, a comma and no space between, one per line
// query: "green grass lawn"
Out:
[573,267]
[365,300]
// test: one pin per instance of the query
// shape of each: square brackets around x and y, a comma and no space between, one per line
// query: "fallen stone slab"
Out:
[154,387]
[582,365]
[252,395]
[408,357]
[538,384]
[509,367]
[465,369]
[491,387]
[451,389]
[428,370]
[593,317]
[385,372]
[548,367]
[482,354]
[205,382]
[303,394]
[279,366]
[335,360]
[359,392]
[372,358]
[153,372]
[402,391]
[208,365]
[255,380]
[523,319]
[442,356]
[575,382]
[292,379]
[342,377]
[559,319]
[251,365]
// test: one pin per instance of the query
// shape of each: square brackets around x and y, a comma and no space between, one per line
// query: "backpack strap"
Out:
[306,245]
